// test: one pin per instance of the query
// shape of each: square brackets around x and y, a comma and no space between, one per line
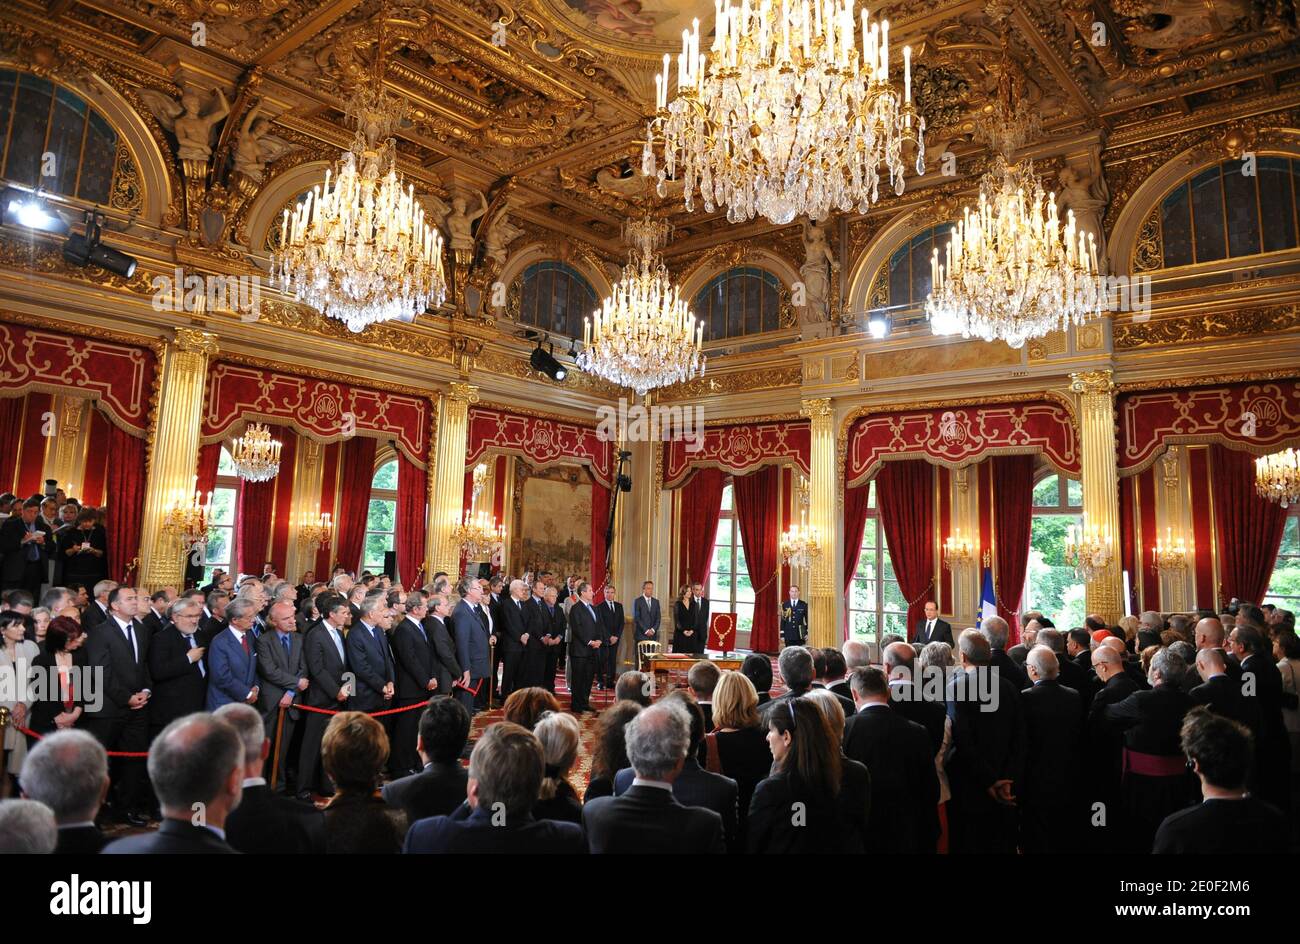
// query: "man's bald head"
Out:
[1209,633]
[855,653]
[1106,662]
[1210,662]
[899,655]
[1114,644]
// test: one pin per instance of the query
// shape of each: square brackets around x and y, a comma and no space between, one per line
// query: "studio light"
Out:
[28,209]
[87,250]
[545,362]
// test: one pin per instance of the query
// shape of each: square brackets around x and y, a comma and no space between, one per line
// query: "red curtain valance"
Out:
[118,376]
[1150,420]
[741,449]
[316,408]
[959,436]
[540,440]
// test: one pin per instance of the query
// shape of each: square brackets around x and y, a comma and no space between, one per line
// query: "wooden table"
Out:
[674,668]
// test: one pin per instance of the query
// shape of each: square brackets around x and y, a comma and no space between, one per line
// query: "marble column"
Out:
[1096,391]
[447,477]
[824,604]
[174,455]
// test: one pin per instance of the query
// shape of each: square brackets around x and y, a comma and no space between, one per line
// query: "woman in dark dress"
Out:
[357,820]
[559,734]
[855,779]
[83,549]
[806,771]
[609,754]
[682,622]
[64,659]
[737,748]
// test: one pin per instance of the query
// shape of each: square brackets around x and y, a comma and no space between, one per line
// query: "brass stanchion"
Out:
[275,761]
[4,754]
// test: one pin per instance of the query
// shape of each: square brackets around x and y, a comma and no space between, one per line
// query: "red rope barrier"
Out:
[40,737]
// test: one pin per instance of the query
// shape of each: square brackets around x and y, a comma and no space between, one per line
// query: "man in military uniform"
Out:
[794,620]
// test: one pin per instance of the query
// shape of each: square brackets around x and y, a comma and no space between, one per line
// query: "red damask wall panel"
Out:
[740,449]
[541,440]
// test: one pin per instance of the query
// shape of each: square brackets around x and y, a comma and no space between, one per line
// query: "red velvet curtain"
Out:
[1249,528]
[412,500]
[905,497]
[1013,518]
[126,485]
[357,473]
[257,504]
[209,459]
[329,478]
[600,498]
[11,420]
[855,525]
[757,514]
[701,507]
[38,422]
[91,487]
[1128,539]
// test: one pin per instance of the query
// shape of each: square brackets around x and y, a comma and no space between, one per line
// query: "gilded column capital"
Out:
[192,341]
[1093,382]
[815,409]
[462,392]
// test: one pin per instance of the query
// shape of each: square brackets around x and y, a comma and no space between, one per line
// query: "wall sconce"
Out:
[1171,556]
[959,553]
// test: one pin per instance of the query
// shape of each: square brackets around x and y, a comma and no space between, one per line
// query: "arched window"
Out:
[553,296]
[54,140]
[380,517]
[1227,211]
[1050,583]
[740,301]
[876,602]
[1284,585]
[729,589]
[220,549]
[902,282]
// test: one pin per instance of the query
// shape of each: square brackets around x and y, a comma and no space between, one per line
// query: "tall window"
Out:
[39,119]
[380,517]
[740,301]
[220,549]
[1050,583]
[729,588]
[554,297]
[876,602]
[1284,585]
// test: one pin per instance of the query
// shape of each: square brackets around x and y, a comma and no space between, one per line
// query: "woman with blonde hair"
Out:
[1130,625]
[556,799]
[737,746]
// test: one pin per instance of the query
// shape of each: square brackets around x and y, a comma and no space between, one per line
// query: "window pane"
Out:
[381,514]
[726,498]
[896,623]
[862,596]
[376,545]
[1275,198]
[1176,228]
[223,506]
[894,599]
[1207,215]
[745,616]
[722,559]
[863,625]
[217,552]
[1291,536]
[744,589]
[31,120]
[1243,211]
[385,476]
[1047,493]
[1074,493]
[741,566]
[1050,584]
[66,132]
[225,465]
[723,537]
[98,159]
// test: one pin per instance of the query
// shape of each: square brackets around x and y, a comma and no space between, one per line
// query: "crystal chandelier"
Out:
[358,248]
[643,336]
[959,553]
[1169,556]
[187,519]
[1088,550]
[800,545]
[478,534]
[255,454]
[1277,477]
[787,117]
[1009,272]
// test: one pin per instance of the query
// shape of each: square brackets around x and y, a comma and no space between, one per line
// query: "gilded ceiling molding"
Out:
[314,372]
[388,336]
[43,258]
[587,422]
[736,382]
[1193,328]
[1052,396]
[1201,380]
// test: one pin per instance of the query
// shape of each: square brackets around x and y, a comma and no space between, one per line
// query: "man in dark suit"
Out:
[518,638]
[796,667]
[1229,820]
[446,665]
[1069,673]
[417,679]
[907,692]
[1104,745]
[505,773]
[155,618]
[371,660]
[1078,646]
[611,613]
[904,814]
[473,643]
[196,749]
[1220,693]
[177,668]
[1262,684]
[987,761]
[120,648]
[932,629]
[646,614]
[326,667]
[995,630]
[68,772]
[794,619]
[282,678]
[585,647]
[695,786]
[213,620]
[264,823]
[491,604]
[96,610]
[554,624]
[25,545]
[648,818]
[232,659]
[439,787]
[1051,806]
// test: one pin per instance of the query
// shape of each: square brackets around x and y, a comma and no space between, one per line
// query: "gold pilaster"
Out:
[447,492]
[305,502]
[824,607]
[66,462]
[1096,392]
[175,453]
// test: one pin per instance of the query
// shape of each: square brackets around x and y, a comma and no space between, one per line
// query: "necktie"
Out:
[33,552]
[130,637]
[284,640]
[203,673]
[338,643]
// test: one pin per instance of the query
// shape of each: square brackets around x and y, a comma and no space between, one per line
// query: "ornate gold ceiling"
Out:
[549,96]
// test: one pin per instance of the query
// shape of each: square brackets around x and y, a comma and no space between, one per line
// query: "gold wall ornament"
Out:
[1169,461]
[773,378]
[1094,552]
[1187,329]
[1149,251]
